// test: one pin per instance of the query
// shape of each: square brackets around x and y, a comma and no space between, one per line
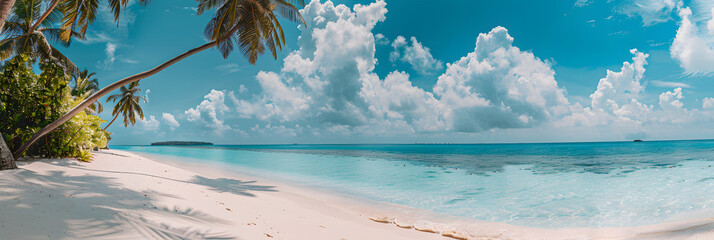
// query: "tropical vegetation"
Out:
[21,35]
[250,25]
[29,101]
[128,105]
[84,86]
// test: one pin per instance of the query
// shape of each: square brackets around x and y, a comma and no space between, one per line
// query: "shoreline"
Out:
[456,227]
[128,195]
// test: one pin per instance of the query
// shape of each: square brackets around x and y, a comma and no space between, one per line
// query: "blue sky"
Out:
[412,71]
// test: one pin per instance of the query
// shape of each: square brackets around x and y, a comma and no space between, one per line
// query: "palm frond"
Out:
[207,5]
[117,108]
[113,98]
[43,44]
[53,17]
[55,35]
[69,66]
[118,5]
[22,11]
[249,24]
[78,13]
[12,29]
[288,10]
[128,104]
[6,49]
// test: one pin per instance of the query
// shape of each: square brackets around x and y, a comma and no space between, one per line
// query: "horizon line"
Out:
[444,143]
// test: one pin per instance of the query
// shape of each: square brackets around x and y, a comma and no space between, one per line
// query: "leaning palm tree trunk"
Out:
[7,161]
[110,123]
[42,18]
[95,97]
[5,9]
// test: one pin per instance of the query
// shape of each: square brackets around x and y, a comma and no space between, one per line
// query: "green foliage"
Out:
[253,34]
[128,105]
[20,38]
[84,86]
[29,102]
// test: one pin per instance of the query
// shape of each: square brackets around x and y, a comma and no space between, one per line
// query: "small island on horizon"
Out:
[181,143]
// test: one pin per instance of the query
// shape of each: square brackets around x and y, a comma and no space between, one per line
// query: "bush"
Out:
[29,102]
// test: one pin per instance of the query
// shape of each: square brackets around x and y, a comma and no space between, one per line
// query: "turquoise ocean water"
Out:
[552,185]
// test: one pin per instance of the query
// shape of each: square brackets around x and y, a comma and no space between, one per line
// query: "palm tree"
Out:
[251,23]
[84,86]
[77,13]
[21,39]
[5,9]
[81,13]
[128,104]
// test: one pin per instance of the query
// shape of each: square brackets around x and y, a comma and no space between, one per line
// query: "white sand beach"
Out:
[121,195]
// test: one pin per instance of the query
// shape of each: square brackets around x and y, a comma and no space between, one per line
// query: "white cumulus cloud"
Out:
[619,88]
[499,86]
[110,51]
[329,82]
[691,48]
[170,120]
[616,98]
[381,39]
[616,103]
[708,103]
[209,113]
[416,54]
[328,87]
[670,100]
[149,124]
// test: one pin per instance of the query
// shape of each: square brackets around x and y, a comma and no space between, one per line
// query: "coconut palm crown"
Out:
[251,24]
[19,40]
[128,105]
[79,14]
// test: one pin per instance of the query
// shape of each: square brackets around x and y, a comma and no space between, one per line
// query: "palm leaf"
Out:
[207,5]
[6,49]
[288,10]
[68,65]
[250,24]
[55,36]
[78,13]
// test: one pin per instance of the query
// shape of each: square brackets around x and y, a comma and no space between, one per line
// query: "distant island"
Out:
[182,143]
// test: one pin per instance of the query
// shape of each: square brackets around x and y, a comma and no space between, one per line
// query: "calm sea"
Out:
[554,185]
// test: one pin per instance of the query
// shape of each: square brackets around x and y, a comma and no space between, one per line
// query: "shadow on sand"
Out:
[243,188]
[56,205]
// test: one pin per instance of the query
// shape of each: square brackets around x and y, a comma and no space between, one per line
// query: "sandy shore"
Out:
[125,196]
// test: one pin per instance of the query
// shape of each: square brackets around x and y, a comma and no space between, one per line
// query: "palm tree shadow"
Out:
[238,187]
[234,186]
[55,205]
[679,232]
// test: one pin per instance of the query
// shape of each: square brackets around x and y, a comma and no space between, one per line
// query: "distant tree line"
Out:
[180,143]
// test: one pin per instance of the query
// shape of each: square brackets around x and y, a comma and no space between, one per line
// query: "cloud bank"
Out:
[328,87]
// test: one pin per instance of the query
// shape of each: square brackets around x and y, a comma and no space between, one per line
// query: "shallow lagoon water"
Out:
[552,185]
